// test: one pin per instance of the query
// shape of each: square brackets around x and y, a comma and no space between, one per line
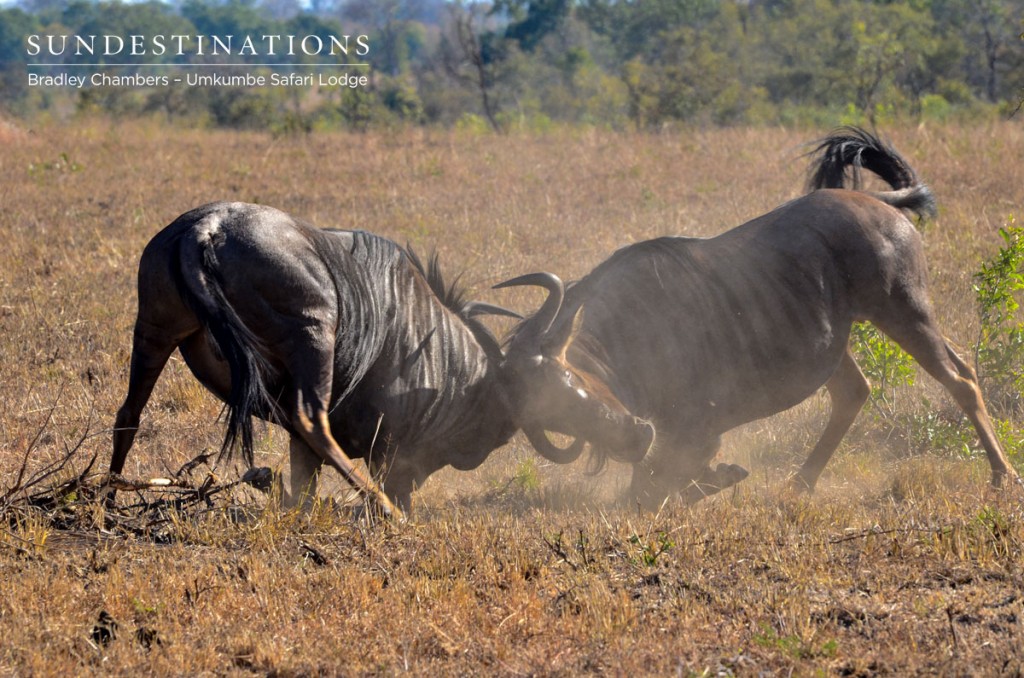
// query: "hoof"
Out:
[371,511]
[798,483]
[109,497]
[261,478]
[1007,479]
[714,481]
[727,475]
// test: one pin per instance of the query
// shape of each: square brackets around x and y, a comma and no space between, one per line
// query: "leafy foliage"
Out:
[651,548]
[884,363]
[999,351]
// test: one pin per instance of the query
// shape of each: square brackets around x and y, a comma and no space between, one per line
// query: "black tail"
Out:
[840,156]
[198,279]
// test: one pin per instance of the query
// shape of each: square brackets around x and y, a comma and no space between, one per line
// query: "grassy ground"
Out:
[904,561]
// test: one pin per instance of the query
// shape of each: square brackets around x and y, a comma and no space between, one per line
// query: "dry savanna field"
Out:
[904,560]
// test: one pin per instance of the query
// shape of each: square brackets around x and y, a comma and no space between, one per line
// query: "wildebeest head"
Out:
[552,394]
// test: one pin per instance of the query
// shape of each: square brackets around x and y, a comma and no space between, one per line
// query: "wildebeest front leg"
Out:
[849,390]
[398,481]
[311,422]
[304,465]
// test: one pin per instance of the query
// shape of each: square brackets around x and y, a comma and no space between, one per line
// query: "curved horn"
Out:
[550,451]
[473,309]
[556,293]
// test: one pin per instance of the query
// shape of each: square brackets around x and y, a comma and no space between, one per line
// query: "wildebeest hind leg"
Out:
[922,340]
[150,352]
[848,390]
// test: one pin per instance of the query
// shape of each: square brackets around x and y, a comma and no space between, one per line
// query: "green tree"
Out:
[636,28]
[116,18]
[476,57]
[15,24]
[892,45]
[989,31]
[309,24]
[531,20]
[398,37]
[999,351]
[694,74]
[798,52]
[233,17]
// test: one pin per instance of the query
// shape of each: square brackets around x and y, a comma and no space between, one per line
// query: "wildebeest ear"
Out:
[561,335]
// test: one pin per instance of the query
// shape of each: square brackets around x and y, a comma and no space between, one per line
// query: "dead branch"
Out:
[31,446]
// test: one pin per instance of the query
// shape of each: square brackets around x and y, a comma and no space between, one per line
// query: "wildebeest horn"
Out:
[539,439]
[556,292]
[474,308]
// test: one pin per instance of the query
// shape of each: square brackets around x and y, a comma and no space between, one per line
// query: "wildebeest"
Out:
[699,336]
[343,338]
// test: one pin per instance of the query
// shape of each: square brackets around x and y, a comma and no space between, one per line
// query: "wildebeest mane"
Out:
[451,295]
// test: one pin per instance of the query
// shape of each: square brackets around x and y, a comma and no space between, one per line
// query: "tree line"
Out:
[513,63]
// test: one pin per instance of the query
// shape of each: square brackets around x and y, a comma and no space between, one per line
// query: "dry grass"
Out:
[902,562]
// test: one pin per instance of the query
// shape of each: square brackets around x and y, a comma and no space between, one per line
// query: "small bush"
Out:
[999,351]
[885,365]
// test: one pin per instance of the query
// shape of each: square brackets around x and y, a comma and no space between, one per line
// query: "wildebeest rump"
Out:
[343,338]
[699,336]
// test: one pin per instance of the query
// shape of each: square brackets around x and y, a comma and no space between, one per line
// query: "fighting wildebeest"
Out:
[342,338]
[699,336]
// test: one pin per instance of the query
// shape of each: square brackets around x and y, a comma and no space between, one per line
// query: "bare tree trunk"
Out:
[470,54]
[991,51]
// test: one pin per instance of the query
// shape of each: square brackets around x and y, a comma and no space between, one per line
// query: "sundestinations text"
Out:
[200,45]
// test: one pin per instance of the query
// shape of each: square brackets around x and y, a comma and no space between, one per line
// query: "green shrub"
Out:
[884,364]
[999,350]
[935,107]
